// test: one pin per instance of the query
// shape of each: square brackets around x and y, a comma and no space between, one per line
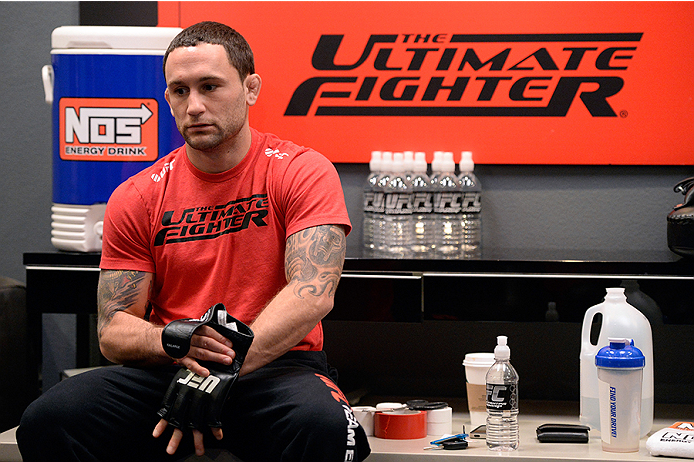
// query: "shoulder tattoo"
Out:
[314,258]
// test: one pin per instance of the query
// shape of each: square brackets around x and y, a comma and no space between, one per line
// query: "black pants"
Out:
[289,410]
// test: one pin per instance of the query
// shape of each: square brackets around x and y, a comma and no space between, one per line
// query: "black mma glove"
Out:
[193,401]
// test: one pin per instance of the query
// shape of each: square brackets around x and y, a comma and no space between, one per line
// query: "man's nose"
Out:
[195,103]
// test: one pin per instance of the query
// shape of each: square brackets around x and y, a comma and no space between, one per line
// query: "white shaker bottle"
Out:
[620,376]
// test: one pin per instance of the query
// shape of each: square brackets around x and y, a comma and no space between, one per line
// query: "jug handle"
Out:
[585,329]
[48,79]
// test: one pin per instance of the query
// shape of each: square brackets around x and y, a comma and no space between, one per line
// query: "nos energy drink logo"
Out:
[109,129]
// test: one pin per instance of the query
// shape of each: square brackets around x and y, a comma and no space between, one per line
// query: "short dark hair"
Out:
[238,51]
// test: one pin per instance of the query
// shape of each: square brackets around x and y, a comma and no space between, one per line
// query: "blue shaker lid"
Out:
[620,353]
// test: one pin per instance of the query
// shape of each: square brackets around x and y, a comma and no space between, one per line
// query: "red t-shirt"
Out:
[211,238]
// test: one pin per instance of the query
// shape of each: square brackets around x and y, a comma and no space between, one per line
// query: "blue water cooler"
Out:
[110,121]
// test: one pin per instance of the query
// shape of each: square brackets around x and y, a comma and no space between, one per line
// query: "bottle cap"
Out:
[408,160]
[436,162]
[398,163]
[375,162]
[386,161]
[420,162]
[447,164]
[615,293]
[502,351]
[466,164]
[621,352]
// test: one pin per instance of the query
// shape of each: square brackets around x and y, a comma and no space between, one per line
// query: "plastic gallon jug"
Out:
[619,320]
[110,120]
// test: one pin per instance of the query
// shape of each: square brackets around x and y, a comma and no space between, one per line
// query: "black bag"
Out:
[680,222]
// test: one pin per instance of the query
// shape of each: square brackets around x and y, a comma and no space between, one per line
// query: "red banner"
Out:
[513,82]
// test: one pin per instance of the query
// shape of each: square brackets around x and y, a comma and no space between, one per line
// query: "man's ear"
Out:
[252,86]
[166,97]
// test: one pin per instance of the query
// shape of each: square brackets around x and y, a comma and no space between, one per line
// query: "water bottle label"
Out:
[471,202]
[379,202]
[368,201]
[398,204]
[502,397]
[422,202]
[447,202]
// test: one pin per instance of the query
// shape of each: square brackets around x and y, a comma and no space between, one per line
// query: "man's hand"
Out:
[178,436]
[212,350]
[207,345]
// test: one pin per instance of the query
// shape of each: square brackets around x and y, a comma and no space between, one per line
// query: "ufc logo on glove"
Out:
[193,401]
[193,380]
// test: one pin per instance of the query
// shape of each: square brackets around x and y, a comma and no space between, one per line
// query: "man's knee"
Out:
[37,415]
[335,433]
[37,429]
[342,424]
[335,425]
[29,424]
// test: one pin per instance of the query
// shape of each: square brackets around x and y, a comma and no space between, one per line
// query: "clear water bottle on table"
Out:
[379,236]
[502,401]
[422,209]
[447,201]
[409,164]
[398,212]
[470,208]
[369,193]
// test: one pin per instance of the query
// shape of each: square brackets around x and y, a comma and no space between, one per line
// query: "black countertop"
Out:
[493,261]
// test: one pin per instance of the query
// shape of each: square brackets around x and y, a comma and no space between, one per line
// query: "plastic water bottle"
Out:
[409,164]
[398,211]
[436,166]
[502,400]
[433,178]
[447,195]
[380,204]
[470,218]
[368,195]
[422,209]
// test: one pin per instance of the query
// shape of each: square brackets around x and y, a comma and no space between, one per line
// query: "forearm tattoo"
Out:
[314,259]
[118,291]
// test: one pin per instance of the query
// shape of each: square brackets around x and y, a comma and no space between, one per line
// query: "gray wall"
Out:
[25,154]
[25,128]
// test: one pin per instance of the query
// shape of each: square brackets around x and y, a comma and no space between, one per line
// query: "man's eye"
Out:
[179,91]
[209,87]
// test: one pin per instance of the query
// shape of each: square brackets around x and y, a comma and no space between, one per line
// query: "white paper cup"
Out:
[476,367]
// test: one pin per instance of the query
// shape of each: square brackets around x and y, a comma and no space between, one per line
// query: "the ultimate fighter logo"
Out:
[447,74]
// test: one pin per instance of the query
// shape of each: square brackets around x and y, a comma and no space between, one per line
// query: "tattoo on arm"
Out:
[314,258]
[118,291]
